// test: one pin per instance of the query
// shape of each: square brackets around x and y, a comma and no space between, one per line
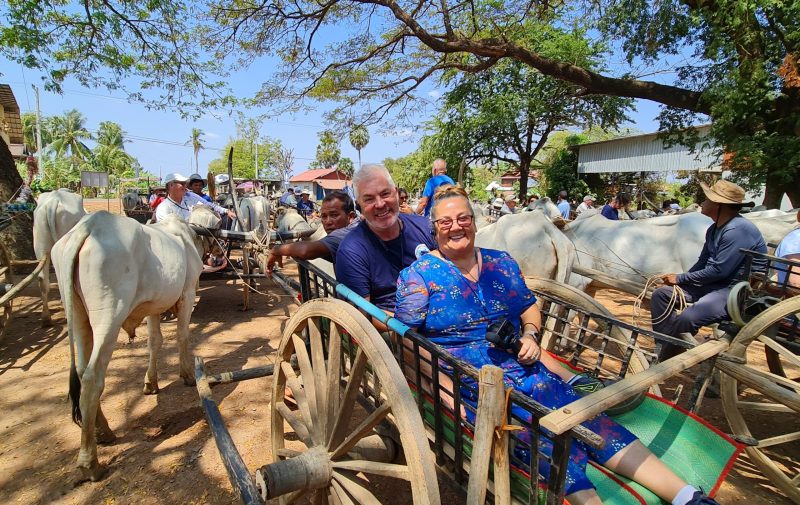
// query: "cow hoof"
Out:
[105,437]
[150,389]
[94,473]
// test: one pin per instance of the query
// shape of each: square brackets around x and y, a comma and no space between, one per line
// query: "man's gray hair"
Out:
[368,172]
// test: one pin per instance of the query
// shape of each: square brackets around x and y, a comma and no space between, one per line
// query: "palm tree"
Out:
[68,133]
[197,143]
[110,134]
[359,138]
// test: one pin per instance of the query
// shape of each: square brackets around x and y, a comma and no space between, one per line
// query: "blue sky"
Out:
[156,138]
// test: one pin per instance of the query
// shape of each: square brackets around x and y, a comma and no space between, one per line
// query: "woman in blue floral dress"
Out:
[452,294]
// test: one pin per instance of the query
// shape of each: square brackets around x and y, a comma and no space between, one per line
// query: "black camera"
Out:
[503,335]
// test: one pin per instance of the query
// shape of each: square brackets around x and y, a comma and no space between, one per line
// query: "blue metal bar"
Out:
[392,323]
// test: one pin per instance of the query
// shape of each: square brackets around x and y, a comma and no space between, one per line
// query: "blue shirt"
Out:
[721,263]
[334,239]
[610,212]
[563,207]
[789,245]
[430,188]
[370,266]
[305,208]
[451,309]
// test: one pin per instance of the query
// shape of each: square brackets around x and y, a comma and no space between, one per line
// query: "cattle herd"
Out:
[114,272]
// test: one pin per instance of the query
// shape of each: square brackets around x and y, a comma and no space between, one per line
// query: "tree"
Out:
[508,112]
[68,133]
[346,165]
[734,61]
[284,161]
[328,151]
[196,140]
[244,158]
[359,138]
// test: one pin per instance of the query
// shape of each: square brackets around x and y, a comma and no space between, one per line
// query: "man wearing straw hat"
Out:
[706,285]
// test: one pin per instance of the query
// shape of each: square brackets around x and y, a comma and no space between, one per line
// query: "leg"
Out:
[636,462]
[584,497]
[184,312]
[44,287]
[708,307]
[154,341]
[102,429]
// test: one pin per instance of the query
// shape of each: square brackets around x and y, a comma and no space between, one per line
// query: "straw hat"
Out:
[725,192]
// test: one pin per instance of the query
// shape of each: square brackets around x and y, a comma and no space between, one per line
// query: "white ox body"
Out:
[57,212]
[254,214]
[636,249]
[113,272]
[533,241]
[289,220]
[773,224]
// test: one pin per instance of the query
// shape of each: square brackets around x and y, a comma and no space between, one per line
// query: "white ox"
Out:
[113,272]
[773,224]
[57,212]
[254,214]
[636,249]
[533,240]
[289,220]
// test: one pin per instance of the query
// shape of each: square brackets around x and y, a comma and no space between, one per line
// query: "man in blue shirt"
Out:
[707,284]
[611,209]
[196,184]
[563,204]
[438,178]
[288,199]
[386,241]
[305,206]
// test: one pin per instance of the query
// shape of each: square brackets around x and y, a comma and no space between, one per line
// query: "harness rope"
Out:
[247,284]
[677,301]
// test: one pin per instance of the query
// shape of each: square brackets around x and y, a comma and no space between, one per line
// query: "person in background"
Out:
[338,216]
[180,201]
[305,206]
[196,185]
[288,199]
[405,208]
[509,206]
[789,248]
[611,209]
[587,204]
[708,282]
[439,177]
[532,201]
[563,204]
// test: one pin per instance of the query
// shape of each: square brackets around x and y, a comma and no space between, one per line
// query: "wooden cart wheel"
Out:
[6,277]
[345,356]
[752,397]
[585,302]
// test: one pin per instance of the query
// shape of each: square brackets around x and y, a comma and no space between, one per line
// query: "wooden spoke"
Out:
[320,375]
[340,494]
[349,399]
[295,421]
[288,453]
[355,488]
[366,426]
[780,439]
[768,407]
[781,350]
[320,497]
[796,480]
[309,383]
[299,394]
[386,469]
[334,377]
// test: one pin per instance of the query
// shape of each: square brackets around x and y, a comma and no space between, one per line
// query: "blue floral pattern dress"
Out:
[454,312]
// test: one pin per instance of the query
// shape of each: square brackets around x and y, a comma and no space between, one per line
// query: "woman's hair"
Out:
[402,191]
[446,191]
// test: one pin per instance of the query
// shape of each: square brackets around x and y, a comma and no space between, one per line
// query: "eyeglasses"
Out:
[446,223]
[404,198]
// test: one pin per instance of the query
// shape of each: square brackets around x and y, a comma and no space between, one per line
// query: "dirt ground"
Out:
[164,453]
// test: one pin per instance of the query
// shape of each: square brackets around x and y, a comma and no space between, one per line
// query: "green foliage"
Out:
[561,172]
[359,138]
[69,134]
[196,140]
[411,171]
[244,159]
[346,166]
[328,151]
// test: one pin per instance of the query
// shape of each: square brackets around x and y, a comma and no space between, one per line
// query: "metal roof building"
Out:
[646,153]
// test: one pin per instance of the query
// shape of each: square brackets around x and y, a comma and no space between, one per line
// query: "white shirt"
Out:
[183,208]
[583,207]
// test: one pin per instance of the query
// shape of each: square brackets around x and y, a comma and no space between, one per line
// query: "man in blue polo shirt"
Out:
[386,241]
[439,177]
[563,204]
[706,285]
[611,209]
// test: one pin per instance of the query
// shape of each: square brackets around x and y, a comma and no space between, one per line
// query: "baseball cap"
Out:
[174,177]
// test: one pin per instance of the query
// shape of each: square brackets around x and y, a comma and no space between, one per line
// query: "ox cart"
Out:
[9,287]
[349,405]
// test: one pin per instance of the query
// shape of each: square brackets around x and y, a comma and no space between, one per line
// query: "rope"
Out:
[244,281]
[677,302]
[498,431]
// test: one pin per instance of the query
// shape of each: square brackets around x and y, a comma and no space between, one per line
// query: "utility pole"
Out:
[38,133]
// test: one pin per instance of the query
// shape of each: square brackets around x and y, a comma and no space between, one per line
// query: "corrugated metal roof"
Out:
[644,153]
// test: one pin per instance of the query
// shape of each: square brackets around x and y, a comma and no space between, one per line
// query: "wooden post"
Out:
[490,413]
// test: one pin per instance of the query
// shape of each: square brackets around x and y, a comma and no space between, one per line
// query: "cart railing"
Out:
[599,344]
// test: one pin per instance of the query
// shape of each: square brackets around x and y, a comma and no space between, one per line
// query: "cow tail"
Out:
[66,285]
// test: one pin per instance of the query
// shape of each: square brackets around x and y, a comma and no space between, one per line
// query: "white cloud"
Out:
[435,93]
[211,135]
[398,132]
